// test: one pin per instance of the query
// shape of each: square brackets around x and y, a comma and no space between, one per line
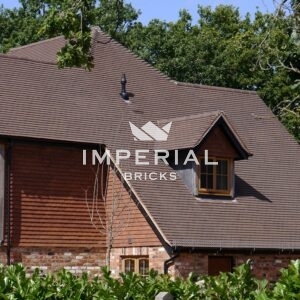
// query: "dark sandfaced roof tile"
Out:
[37,100]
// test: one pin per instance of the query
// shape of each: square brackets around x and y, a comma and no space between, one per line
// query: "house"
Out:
[197,178]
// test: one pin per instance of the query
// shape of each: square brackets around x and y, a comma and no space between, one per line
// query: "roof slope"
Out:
[43,51]
[196,128]
[39,101]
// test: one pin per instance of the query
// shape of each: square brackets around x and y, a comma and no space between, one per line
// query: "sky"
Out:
[167,10]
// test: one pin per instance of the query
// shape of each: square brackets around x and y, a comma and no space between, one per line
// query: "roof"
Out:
[196,129]
[37,100]
[43,51]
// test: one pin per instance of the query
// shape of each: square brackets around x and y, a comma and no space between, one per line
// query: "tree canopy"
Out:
[222,48]
[36,20]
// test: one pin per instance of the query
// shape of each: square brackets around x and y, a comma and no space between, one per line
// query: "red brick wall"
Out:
[265,265]
[51,259]
[157,256]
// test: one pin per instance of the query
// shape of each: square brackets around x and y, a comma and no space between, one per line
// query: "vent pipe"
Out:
[123,93]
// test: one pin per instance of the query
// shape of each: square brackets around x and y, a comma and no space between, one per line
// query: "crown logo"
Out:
[150,132]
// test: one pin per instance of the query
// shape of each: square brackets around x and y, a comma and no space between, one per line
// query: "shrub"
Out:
[238,285]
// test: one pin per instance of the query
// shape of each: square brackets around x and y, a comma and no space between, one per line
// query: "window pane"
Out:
[215,178]
[222,167]
[210,181]
[210,169]
[203,166]
[206,168]
[222,182]
[143,266]
[129,265]
[203,182]
[206,176]
[206,182]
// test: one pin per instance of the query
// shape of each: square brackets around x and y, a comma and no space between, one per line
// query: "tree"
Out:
[108,210]
[18,27]
[224,49]
[36,20]
[285,56]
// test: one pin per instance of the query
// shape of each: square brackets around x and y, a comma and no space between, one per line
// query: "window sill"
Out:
[216,199]
[215,194]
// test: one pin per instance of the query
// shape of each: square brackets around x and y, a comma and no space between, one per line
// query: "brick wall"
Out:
[157,256]
[190,262]
[265,265]
[76,260]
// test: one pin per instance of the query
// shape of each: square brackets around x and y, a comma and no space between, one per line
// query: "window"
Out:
[216,179]
[139,265]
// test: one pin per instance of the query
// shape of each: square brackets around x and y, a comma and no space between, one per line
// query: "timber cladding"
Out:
[218,144]
[48,187]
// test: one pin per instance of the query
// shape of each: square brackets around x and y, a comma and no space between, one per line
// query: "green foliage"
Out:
[239,285]
[289,114]
[225,49]
[288,286]
[36,20]
[71,19]
[18,27]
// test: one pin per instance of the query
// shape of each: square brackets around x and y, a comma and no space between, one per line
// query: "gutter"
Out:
[168,262]
[238,249]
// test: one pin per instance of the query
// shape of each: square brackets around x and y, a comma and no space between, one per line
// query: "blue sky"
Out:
[168,9]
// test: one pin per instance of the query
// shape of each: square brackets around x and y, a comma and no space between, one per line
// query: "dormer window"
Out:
[209,133]
[215,179]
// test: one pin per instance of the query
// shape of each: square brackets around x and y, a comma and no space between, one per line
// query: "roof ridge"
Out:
[115,42]
[193,116]
[33,44]
[210,87]
[5,55]
[235,132]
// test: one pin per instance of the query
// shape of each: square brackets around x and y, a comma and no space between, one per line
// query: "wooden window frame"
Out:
[214,190]
[136,260]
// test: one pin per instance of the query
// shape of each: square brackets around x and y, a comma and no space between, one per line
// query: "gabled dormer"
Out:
[203,149]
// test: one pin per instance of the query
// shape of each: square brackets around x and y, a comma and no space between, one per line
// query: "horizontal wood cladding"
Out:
[48,189]
[130,227]
[218,145]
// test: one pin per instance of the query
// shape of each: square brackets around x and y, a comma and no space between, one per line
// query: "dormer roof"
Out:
[188,132]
